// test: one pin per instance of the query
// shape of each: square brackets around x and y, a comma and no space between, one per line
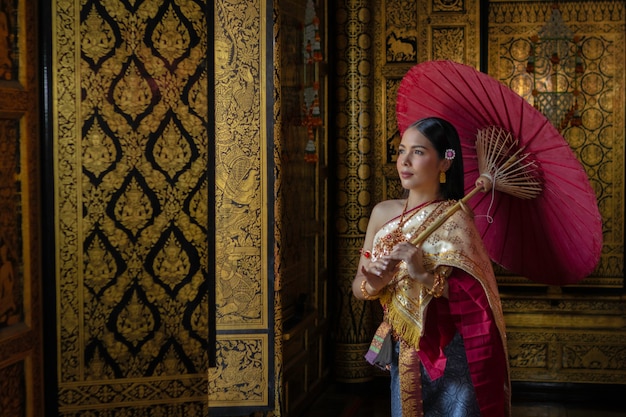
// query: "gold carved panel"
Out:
[410,32]
[243,376]
[449,30]
[567,340]
[131,193]
[240,292]
[399,21]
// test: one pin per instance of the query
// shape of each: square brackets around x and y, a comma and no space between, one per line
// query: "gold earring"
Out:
[442,177]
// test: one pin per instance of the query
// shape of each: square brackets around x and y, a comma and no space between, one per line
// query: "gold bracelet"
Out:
[439,284]
[366,295]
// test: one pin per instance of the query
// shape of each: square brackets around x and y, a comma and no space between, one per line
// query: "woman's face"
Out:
[418,163]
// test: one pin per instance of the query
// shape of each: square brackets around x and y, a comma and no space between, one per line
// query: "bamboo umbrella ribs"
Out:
[503,167]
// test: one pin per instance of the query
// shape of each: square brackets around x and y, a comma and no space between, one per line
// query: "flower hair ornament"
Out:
[450,154]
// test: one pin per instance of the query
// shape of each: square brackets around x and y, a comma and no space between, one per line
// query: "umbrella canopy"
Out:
[555,238]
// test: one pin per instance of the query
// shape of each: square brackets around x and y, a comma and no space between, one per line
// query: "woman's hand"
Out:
[379,272]
[412,256]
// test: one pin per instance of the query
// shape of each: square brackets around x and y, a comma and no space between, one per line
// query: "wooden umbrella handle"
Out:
[459,204]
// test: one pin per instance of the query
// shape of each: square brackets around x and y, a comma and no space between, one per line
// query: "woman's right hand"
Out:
[380,272]
[372,277]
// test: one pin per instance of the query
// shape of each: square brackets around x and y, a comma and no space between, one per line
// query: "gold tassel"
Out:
[408,330]
[405,327]
[442,177]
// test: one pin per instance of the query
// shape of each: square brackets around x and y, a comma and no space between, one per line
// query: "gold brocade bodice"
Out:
[456,243]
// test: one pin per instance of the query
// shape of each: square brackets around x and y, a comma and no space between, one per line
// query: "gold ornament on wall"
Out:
[556,65]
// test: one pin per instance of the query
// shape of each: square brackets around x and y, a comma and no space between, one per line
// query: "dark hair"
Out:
[443,135]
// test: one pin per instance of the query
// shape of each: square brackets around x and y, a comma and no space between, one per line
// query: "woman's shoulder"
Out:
[386,210]
[390,204]
[386,207]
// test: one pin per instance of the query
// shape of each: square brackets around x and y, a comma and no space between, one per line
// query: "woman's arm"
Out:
[371,277]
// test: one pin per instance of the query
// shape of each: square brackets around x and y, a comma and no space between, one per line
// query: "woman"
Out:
[442,313]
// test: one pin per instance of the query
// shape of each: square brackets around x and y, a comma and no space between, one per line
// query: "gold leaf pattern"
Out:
[100,266]
[171,151]
[136,321]
[240,373]
[97,36]
[170,37]
[171,363]
[134,209]
[132,93]
[171,263]
[99,151]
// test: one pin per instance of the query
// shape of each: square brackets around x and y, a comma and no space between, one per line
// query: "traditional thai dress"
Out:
[449,354]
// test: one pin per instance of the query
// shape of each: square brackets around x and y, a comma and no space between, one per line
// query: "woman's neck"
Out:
[415,200]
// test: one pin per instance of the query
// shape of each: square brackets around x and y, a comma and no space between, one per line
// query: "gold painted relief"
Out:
[448,6]
[449,43]
[132,228]
[400,19]
[449,29]
[240,292]
[599,140]
[392,135]
[416,32]
[566,341]
[241,377]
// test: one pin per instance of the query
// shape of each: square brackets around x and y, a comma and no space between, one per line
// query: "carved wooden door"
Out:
[20,295]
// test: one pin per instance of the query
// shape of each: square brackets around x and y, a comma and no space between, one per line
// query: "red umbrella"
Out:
[555,238]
